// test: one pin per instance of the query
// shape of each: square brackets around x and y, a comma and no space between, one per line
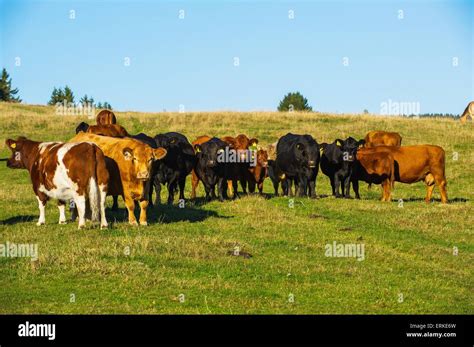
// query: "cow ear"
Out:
[11,144]
[253,142]
[159,153]
[339,142]
[300,146]
[128,153]
[197,148]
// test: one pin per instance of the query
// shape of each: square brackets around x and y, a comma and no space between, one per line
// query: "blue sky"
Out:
[190,61]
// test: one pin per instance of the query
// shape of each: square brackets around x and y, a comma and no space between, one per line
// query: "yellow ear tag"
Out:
[321,150]
[198,150]
[13,145]
[339,143]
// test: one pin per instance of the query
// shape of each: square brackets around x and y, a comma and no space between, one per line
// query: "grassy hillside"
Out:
[183,263]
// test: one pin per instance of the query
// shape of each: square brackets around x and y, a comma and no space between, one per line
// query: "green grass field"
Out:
[183,261]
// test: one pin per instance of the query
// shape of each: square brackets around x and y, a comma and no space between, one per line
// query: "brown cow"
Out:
[241,144]
[374,167]
[64,171]
[105,117]
[259,172]
[129,163]
[112,130]
[382,138]
[419,163]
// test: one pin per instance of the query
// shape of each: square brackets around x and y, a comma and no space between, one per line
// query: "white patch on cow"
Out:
[66,189]
[44,145]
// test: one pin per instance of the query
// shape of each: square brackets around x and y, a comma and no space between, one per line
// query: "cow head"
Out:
[141,158]
[348,148]
[209,151]
[262,158]
[82,127]
[307,151]
[18,159]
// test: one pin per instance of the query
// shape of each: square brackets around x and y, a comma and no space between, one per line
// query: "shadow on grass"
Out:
[165,214]
[432,200]
[18,219]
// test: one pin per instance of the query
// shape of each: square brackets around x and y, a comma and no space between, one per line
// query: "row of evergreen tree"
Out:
[65,95]
[291,101]
[59,95]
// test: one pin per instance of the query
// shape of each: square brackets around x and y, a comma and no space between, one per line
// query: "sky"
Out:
[343,56]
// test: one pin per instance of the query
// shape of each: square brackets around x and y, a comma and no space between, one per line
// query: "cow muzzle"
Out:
[144,175]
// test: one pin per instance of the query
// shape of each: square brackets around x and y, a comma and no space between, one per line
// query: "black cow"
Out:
[298,159]
[338,163]
[212,170]
[173,169]
[83,126]
[277,176]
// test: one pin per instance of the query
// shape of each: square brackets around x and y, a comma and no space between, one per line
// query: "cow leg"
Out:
[284,187]
[441,183]
[337,184]
[148,193]
[182,184]
[130,204]
[234,185]
[275,186]
[333,186]
[260,187]
[80,201]
[302,186]
[62,211]
[230,188]
[171,188]
[42,200]
[312,189]
[347,187]
[115,204]
[103,196]
[157,192]
[194,184]
[221,187]
[243,184]
[251,184]
[143,207]
[355,186]
[386,190]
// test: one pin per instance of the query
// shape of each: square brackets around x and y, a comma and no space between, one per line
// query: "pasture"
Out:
[418,258]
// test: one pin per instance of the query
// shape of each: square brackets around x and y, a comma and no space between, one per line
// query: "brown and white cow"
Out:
[382,138]
[129,163]
[419,163]
[105,117]
[64,171]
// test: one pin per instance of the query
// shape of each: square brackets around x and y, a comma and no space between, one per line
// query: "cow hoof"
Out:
[40,223]
[62,222]
[144,224]
[81,226]
[134,223]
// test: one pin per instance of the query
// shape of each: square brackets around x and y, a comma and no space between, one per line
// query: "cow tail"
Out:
[392,174]
[94,195]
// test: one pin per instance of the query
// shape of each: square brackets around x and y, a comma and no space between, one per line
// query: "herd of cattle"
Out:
[104,159]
